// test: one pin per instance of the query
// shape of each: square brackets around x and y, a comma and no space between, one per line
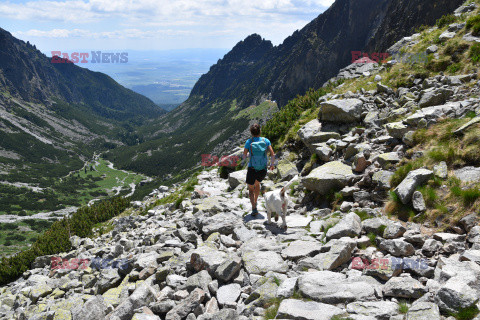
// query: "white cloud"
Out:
[95,10]
[159,19]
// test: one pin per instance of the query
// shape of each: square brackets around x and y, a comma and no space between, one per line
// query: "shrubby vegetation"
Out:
[282,121]
[57,238]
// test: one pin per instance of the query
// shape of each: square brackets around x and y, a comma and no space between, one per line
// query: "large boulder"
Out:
[261,262]
[228,294]
[181,310]
[237,178]
[396,129]
[434,97]
[413,180]
[206,258]
[307,310]
[286,170]
[397,247]
[468,174]
[422,310]
[341,111]
[348,226]
[300,248]
[332,287]
[404,287]
[373,309]
[309,130]
[340,252]
[95,308]
[223,223]
[455,295]
[330,176]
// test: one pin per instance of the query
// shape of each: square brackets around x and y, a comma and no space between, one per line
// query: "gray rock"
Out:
[468,174]
[237,178]
[455,294]
[286,170]
[441,170]
[300,248]
[307,310]
[323,152]
[206,258]
[162,307]
[332,287]
[332,175]
[145,260]
[404,287]
[228,269]
[109,278]
[198,280]
[430,247]
[264,293]
[223,223]
[382,179]
[397,247]
[413,180]
[446,35]
[348,226]
[394,230]
[229,314]
[341,111]
[287,288]
[143,295]
[471,255]
[418,202]
[308,130]
[375,225]
[228,294]
[340,252]
[243,234]
[175,280]
[381,88]
[93,309]
[376,309]
[147,316]
[388,159]
[261,262]
[432,49]
[434,97]
[187,306]
[396,129]
[422,310]
[468,124]
[468,222]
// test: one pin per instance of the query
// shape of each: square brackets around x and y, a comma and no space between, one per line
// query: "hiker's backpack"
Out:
[258,154]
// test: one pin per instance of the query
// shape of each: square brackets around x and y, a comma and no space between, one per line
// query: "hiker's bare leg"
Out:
[251,194]
[256,191]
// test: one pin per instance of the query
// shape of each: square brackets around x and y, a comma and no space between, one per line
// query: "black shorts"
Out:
[253,175]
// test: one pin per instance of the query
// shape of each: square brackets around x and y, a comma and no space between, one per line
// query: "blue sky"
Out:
[153,24]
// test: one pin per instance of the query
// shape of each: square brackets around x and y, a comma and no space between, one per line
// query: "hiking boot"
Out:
[254,212]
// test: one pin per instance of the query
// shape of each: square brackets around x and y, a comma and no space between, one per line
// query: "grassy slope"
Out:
[448,200]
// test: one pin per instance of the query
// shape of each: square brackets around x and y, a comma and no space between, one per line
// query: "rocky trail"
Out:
[208,258]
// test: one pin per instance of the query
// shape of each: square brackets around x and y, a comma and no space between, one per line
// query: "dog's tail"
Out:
[289,183]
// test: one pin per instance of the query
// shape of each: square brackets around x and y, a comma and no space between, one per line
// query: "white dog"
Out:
[277,201]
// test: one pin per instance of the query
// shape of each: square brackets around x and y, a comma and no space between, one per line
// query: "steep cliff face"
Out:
[315,53]
[28,74]
[405,16]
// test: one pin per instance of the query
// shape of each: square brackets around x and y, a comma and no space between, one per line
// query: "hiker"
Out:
[257,166]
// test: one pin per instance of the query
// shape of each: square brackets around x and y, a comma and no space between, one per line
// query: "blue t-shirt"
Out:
[249,141]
